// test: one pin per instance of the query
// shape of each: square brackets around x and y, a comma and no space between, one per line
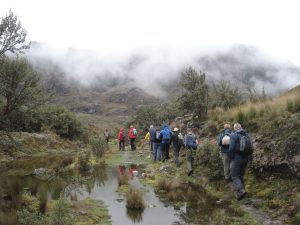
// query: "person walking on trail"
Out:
[121,138]
[223,141]
[240,153]
[176,145]
[191,144]
[152,132]
[106,135]
[165,136]
[147,138]
[157,146]
[132,134]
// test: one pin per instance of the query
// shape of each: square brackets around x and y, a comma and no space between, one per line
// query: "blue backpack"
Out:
[166,136]
[191,142]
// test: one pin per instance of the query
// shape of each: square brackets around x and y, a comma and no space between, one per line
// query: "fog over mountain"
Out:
[151,69]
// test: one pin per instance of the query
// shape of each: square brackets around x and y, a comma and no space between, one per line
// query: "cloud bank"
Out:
[151,69]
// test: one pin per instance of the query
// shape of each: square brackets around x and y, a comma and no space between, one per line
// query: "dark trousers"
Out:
[132,144]
[151,146]
[165,151]
[176,155]
[237,170]
[121,145]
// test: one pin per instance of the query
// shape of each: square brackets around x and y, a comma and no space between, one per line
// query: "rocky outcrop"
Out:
[277,153]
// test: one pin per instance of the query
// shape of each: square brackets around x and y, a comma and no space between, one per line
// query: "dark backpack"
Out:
[157,135]
[244,146]
[191,142]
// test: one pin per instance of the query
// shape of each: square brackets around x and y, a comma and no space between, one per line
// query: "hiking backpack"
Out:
[191,142]
[134,132]
[225,140]
[244,145]
[166,136]
[157,135]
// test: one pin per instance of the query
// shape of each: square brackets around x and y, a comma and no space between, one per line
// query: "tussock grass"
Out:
[255,114]
[165,184]
[134,199]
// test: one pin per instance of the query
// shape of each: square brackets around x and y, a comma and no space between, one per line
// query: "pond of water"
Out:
[195,207]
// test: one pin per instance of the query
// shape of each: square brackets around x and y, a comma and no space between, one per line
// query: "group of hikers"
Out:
[236,152]
[160,141]
[234,144]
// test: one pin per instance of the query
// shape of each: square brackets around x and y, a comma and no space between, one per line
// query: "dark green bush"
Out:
[62,121]
[209,157]
[26,217]
[297,105]
[26,120]
[290,106]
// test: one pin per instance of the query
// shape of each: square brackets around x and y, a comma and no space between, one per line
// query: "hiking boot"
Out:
[190,172]
[241,195]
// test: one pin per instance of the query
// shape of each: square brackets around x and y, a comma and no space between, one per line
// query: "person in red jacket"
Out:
[132,136]
[121,138]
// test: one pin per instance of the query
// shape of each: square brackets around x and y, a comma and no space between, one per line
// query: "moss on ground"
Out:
[89,212]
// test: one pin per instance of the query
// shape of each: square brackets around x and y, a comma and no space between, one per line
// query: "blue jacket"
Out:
[223,149]
[165,132]
[234,138]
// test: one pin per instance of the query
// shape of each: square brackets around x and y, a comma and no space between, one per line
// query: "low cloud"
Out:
[151,69]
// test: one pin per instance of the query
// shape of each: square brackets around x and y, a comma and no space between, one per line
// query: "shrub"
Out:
[210,158]
[60,214]
[241,117]
[297,105]
[83,159]
[251,114]
[134,199]
[210,128]
[293,106]
[98,145]
[26,217]
[290,106]
[62,121]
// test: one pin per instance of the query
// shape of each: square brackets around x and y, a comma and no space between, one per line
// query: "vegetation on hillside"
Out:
[22,101]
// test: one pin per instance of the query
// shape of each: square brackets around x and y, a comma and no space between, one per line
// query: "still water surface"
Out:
[196,206]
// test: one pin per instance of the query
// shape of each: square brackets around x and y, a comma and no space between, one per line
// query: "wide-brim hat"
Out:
[175,129]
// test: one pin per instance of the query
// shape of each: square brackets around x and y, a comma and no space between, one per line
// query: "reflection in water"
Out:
[13,187]
[195,206]
[135,216]
[200,206]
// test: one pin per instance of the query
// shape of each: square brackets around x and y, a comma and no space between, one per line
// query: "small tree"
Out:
[12,35]
[194,97]
[224,95]
[19,88]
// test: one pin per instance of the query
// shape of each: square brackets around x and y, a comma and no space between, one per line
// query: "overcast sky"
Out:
[115,26]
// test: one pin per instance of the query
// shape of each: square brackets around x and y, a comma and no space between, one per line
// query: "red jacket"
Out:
[121,136]
[130,133]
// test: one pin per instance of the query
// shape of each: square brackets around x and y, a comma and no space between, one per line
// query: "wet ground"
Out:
[192,205]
